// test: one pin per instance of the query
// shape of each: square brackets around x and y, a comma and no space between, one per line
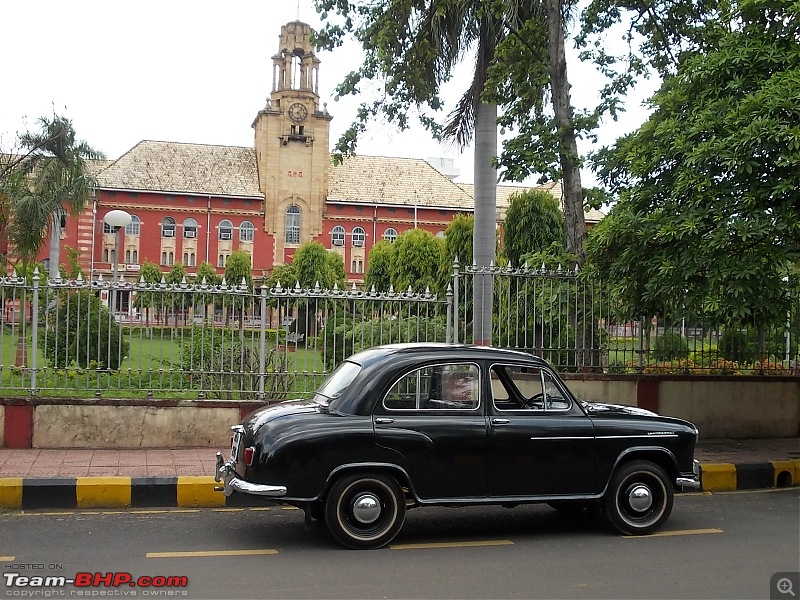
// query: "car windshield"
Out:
[337,382]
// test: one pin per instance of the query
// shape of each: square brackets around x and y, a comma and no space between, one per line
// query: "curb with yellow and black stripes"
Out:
[197,492]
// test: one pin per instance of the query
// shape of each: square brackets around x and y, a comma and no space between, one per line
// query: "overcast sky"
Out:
[183,71]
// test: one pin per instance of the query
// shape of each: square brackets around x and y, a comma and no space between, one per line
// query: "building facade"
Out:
[195,203]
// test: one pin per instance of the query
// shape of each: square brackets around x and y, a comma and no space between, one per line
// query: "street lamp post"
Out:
[116,219]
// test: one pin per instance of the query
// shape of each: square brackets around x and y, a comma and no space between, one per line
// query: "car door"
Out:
[541,443]
[434,419]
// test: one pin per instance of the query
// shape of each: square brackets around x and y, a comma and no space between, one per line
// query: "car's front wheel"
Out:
[365,510]
[639,498]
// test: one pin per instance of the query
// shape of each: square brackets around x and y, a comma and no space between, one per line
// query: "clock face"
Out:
[298,112]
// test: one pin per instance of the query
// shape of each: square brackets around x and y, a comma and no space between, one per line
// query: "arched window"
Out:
[359,235]
[135,257]
[390,234]
[337,236]
[440,235]
[163,258]
[185,258]
[190,228]
[293,224]
[225,230]
[246,231]
[168,227]
[106,256]
[127,257]
[134,227]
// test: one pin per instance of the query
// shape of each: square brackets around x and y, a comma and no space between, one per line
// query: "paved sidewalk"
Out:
[51,478]
[44,463]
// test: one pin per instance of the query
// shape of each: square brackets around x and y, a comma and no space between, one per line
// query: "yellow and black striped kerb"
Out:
[196,492]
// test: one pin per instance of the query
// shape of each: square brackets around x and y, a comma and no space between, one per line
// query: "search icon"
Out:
[784,586]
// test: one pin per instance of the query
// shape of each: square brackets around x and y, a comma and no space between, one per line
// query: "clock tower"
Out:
[291,145]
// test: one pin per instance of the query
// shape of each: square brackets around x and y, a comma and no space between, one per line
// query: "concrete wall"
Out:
[76,426]
[721,407]
[729,409]
[610,391]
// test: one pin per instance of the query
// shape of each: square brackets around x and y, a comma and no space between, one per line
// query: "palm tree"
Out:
[52,175]
[58,184]
[416,46]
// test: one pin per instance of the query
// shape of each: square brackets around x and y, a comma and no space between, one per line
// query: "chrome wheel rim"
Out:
[366,509]
[640,498]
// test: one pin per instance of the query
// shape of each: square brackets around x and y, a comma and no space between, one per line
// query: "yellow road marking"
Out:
[7,558]
[203,553]
[676,532]
[473,544]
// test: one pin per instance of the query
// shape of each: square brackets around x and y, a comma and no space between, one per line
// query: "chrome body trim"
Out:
[690,481]
[226,472]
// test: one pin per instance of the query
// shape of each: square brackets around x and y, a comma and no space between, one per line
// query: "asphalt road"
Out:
[714,546]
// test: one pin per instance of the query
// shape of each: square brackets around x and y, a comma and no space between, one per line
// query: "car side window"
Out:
[451,386]
[516,387]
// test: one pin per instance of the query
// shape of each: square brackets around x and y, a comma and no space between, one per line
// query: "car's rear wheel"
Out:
[365,510]
[639,498]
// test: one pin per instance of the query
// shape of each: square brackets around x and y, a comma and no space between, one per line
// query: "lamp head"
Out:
[118,218]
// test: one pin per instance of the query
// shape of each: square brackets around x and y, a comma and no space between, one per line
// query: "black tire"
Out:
[382,511]
[639,498]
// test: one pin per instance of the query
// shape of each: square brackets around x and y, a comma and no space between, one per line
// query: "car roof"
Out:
[433,350]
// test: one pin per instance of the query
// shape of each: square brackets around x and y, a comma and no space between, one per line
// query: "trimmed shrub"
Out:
[670,346]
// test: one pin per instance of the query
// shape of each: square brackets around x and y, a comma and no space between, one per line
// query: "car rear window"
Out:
[335,385]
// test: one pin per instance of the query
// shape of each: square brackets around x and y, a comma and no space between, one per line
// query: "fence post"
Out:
[262,350]
[449,296]
[35,331]
[455,300]
[640,367]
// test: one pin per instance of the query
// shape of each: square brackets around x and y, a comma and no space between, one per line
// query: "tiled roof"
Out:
[185,169]
[399,181]
[504,193]
[231,171]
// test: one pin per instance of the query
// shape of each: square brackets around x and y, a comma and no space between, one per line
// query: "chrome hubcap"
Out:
[366,508]
[639,498]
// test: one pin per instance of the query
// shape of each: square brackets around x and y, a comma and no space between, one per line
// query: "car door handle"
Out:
[383,420]
[500,421]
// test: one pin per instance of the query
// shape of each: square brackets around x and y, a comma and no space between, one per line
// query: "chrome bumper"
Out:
[227,473]
[691,481]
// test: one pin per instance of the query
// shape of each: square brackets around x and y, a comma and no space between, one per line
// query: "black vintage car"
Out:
[407,425]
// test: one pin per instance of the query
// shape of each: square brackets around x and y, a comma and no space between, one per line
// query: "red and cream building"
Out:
[192,203]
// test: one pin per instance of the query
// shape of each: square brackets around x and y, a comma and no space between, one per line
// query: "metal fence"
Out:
[578,325]
[192,340]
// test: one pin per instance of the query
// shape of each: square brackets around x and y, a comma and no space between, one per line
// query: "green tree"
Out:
[417,262]
[285,275]
[313,264]
[533,222]
[414,47]
[178,302]
[238,271]
[379,267]
[57,183]
[708,216]
[149,274]
[206,274]
[458,241]
[85,334]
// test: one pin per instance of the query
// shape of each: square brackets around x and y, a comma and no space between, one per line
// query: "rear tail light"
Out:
[249,453]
